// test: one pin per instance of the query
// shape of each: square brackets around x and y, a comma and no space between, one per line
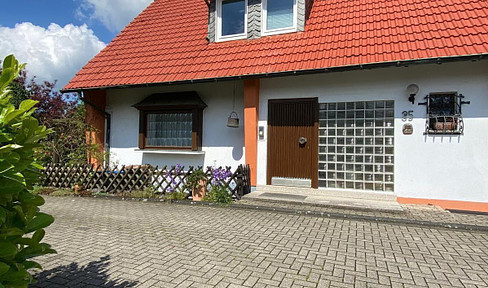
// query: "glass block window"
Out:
[279,14]
[231,18]
[169,130]
[356,144]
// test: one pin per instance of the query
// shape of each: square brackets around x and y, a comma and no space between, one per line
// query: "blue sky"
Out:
[56,38]
[44,12]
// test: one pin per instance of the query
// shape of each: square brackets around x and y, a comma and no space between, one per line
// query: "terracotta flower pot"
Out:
[440,126]
[198,192]
[77,188]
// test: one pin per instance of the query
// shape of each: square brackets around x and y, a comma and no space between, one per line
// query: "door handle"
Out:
[302,141]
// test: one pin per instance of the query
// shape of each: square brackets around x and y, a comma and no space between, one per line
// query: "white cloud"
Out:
[114,14]
[55,53]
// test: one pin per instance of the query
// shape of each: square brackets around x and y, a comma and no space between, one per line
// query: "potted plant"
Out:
[197,182]
[441,126]
[77,187]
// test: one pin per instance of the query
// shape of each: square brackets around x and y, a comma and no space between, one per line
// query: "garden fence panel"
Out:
[139,177]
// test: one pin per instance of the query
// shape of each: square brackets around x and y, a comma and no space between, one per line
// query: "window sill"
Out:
[170,152]
[278,31]
[230,37]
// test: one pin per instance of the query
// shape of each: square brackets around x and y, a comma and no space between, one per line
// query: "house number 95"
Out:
[407,115]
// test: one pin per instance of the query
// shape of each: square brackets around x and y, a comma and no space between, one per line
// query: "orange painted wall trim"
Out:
[447,204]
[96,120]
[251,110]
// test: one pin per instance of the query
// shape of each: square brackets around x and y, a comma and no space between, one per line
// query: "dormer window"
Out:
[279,16]
[231,19]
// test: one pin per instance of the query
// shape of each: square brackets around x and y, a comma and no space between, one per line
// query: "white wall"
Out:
[436,167]
[222,146]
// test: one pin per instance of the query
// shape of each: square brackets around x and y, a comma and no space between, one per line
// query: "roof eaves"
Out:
[435,60]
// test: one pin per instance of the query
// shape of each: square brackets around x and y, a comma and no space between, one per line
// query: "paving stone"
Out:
[109,243]
[412,212]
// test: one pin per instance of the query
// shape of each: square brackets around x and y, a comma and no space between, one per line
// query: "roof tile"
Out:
[167,43]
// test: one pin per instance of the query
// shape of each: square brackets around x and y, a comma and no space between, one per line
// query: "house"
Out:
[374,95]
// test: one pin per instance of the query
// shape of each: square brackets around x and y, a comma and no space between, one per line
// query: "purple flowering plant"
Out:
[171,175]
[218,192]
[220,175]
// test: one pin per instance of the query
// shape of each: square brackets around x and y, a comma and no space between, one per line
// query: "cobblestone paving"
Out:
[110,243]
[428,213]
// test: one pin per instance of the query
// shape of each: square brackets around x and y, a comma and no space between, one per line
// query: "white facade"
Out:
[222,146]
[446,167]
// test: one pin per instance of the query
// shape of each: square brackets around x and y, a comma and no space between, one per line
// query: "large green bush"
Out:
[21,222]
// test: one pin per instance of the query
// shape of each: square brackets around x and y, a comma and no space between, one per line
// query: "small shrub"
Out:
[21,222]
[218,194]
[192,181]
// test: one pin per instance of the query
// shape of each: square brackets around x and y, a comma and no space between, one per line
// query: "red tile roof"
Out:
[167,42]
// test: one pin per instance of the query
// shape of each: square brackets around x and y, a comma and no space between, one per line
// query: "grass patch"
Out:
[62,193]
[147,193]
[41,190]
[177,195]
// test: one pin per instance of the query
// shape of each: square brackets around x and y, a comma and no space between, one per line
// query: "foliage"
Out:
[63,113]
[219,192]
[41,190]
[176,195]
[193,179]
[19,92]
[52,104]
[68,142]
[62,192]
[171,175]
[148,193]
[20,134]
[51,191]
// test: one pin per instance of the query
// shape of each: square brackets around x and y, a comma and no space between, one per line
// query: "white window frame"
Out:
[264,29]
[218,28]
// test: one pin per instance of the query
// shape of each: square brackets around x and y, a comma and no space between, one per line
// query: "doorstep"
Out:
[383,202]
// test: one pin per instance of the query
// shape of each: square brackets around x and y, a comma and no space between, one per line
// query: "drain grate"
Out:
[283,196]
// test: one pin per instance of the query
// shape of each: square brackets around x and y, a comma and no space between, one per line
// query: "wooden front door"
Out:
[293,139]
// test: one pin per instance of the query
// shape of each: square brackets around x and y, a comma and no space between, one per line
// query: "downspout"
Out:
[108,120]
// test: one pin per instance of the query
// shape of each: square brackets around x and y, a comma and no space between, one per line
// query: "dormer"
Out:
[250,19]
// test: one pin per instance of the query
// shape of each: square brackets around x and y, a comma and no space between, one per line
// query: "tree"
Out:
[63,113]
[20,135]
[51,103]
[68,142]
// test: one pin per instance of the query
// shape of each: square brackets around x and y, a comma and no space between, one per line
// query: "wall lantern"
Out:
[412,91]
[233,120]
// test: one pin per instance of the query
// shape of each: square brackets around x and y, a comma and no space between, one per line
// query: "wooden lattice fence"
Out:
[128,178]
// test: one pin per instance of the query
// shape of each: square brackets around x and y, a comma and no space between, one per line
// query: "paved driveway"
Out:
[109,243]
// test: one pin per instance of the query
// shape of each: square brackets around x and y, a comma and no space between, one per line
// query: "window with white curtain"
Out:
[279,16]
[169,130]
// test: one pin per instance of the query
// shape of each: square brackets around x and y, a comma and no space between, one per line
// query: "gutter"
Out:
[405,63]
[108,119]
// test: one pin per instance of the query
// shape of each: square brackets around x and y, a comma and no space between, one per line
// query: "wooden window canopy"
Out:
[173,100]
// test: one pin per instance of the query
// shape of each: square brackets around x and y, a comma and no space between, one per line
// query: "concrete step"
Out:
[291,182]
[368,201]
[354,194]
